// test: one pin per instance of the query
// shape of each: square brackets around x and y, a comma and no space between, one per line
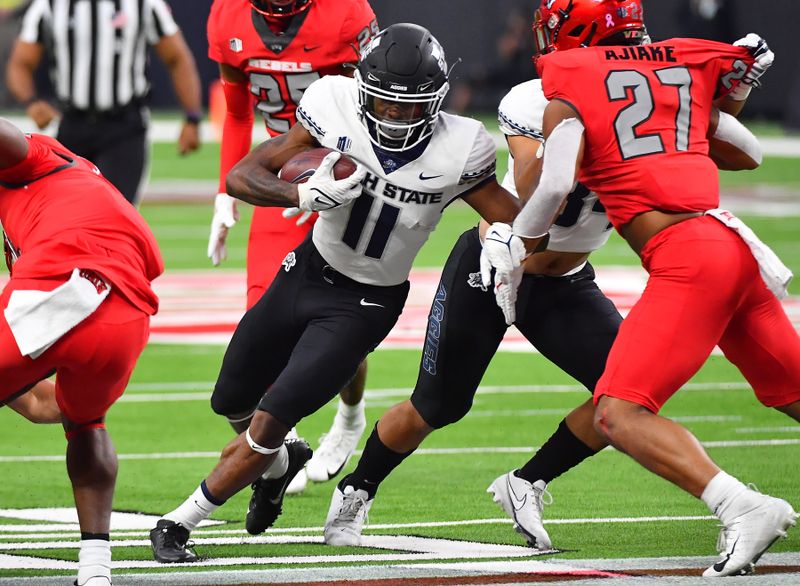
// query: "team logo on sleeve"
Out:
[343,144]
[289,261]
[237,46]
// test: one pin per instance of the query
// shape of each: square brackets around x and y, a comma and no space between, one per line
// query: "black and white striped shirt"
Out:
[98,47]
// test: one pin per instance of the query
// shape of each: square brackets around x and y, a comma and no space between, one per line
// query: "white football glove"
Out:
[293,212]
[763,56]
[505,252]
[322,192]
[225,218]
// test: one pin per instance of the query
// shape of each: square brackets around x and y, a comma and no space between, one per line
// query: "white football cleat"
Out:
[523,502]
[346,516]
[300,481]
[96,581]
[335,449]
[744,540]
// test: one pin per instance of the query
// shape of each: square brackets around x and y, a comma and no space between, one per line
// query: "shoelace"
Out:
[541,497]
[726,532]
[352,505]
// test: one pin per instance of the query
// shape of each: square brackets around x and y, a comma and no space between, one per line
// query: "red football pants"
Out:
[93,361]
[704,290]
[272,237]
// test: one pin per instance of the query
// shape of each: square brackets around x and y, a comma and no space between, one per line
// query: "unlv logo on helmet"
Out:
[566,24]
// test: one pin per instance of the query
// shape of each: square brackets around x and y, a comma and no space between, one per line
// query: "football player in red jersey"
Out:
[269,52]
[78,304]
[712,282]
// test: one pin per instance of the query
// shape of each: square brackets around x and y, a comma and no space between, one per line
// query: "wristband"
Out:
[193,118]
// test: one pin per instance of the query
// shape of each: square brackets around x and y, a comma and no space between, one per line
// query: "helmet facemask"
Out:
[414,113]
[280,8]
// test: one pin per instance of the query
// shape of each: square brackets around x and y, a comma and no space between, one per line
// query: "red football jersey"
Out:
[319,41]
[646,111]
[60,214]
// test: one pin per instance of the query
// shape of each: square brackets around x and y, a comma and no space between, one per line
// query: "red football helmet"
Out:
[280,7]
[559,25]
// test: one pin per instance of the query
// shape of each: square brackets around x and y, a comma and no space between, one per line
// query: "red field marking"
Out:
[203,307]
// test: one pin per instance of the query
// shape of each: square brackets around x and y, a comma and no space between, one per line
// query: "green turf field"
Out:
[599,509]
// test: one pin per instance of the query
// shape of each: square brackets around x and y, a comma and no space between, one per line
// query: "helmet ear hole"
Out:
[577,31]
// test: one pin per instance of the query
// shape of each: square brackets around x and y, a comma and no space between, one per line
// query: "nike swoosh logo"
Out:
[515,499]
[310,47]
[719,566]
[423,177]
[366,303]
[333,473]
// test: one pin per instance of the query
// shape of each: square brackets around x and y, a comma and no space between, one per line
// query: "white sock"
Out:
[94,559]
[720,492]
[351,415]
[279,465]
[193,510]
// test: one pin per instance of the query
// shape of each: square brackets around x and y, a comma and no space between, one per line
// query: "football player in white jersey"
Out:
[340,292]
[560,310]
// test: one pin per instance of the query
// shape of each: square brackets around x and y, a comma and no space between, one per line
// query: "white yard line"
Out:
[419,452]
[149,389]
[241,537]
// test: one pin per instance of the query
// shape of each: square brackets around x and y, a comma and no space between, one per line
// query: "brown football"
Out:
[301,166]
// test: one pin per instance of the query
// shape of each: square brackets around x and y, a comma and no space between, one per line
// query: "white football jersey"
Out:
[375,239]
[583,225]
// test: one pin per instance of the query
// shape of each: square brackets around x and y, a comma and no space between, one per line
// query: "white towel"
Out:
[38,319]
[776,275]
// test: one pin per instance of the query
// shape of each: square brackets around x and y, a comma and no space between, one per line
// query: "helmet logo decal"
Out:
[438,54]
[609,21]
[397,86]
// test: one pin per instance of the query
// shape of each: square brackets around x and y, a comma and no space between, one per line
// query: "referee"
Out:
[99,52]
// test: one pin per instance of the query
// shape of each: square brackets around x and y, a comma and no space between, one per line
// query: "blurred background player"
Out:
[78,304]
[711,281]
[269,52]
[98,52]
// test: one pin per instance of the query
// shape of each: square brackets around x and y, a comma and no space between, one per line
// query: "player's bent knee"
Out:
[443,414]
[72,430]
[229,403]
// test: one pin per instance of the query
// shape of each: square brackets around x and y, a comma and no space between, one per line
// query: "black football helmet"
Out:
[280,7]
[404,65]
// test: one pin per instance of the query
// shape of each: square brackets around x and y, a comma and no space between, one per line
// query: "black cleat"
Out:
[267,499]
[169,540]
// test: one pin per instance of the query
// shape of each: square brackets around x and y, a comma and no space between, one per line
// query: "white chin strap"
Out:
[557,180]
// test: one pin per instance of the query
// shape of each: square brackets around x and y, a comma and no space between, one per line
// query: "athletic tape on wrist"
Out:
[260,449]
[733,132]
